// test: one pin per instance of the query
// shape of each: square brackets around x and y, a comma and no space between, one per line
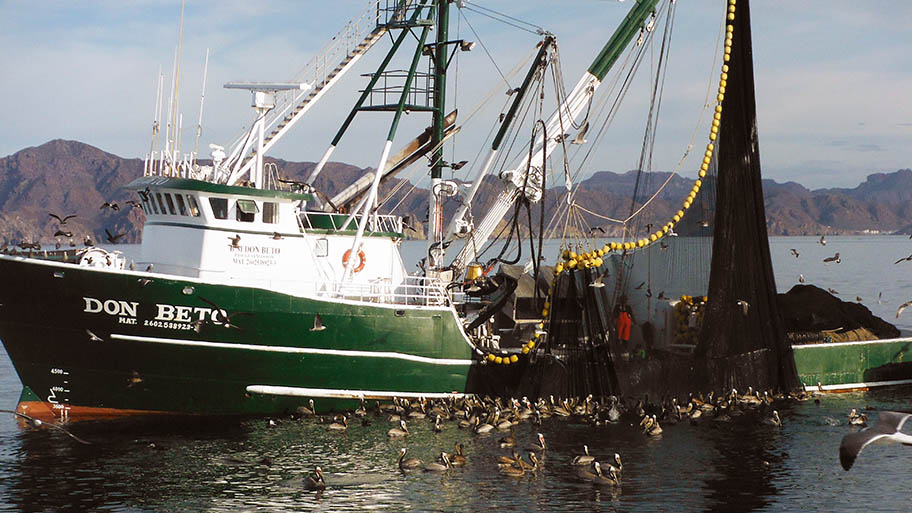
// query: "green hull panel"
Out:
[854,365]
[150,357]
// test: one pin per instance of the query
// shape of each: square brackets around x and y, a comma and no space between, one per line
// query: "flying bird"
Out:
[318,323]
[879,296]
[93,337]
[38,423]
[113,206]
[801,278]
[135,204]
[648,292]
[831,291]
[221,316]
[61,233]
[598,281]
[909,258]
[64,220]
[902,307]
[113,238]
[744,306]
[834,258]
[596,229]
[889,424]
[822,240]
[795,252]
[277,236]
[858,298]
[638,287]
[662,295]
[235,241]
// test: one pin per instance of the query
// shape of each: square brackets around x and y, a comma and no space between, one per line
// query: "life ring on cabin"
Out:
[361,260]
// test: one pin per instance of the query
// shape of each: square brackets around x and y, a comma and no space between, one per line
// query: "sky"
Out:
[833,78]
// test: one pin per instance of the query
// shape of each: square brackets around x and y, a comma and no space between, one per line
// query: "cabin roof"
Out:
[165,182]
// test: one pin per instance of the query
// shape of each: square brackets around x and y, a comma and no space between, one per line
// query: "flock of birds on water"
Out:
[838,260]
[486,416]
[497,416]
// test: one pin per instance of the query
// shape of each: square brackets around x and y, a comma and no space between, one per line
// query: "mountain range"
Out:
[68,177]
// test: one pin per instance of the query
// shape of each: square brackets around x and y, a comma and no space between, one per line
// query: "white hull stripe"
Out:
[856,386]
[331,393]
[295,350]
[854,343]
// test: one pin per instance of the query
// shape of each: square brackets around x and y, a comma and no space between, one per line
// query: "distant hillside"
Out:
[69,177]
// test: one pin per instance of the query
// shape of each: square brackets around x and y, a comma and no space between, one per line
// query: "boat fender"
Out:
[361,260]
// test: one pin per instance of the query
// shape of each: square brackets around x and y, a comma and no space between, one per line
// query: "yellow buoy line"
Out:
[570,260]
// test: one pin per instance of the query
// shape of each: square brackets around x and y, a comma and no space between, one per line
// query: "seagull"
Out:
[858,298]
[648,292]
[277,236]
[663,245]
[235,241]
[638,287]
[888,426]
[879,296]
[143,281]
[221,316]
[801,278]
[149,268]
[596,229]
[113,206]
[795,252]
[662,295]
[135,204]
[113,238]
[744,306]
[38,423]
[834,258]
[831,291]
[318,323]
[597,282]
[93,337]
[909,258]
[822,240]
[902,307]
[64,220]
[671,233]
[61,233]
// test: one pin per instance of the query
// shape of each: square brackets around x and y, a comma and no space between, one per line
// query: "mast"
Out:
[435,207]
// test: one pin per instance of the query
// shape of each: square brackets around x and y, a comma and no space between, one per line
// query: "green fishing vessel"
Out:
[255,294]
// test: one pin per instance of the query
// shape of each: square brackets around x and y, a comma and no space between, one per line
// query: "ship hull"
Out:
[90,343]
[852,366]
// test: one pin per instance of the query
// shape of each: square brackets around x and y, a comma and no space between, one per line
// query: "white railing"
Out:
[415,291]
[326,221]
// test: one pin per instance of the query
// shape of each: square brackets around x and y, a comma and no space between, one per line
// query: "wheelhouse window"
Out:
[151,207]
[181,206]
[194,207]
[246,210]
[161,203]
[170,203]
[270,212]
[219,207]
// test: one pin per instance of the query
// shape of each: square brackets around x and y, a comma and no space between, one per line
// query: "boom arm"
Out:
[528,172]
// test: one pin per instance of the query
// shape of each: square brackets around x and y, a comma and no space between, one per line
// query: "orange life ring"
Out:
[361,260]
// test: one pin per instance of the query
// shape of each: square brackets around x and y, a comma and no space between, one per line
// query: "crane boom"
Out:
[526,177]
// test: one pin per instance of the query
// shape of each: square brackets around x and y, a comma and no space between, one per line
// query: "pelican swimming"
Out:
[406,464]
[583,459]
[400,431]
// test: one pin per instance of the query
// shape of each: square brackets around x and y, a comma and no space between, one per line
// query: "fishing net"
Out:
[742,341]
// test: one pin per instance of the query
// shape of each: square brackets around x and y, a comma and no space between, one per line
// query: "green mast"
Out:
[435,207]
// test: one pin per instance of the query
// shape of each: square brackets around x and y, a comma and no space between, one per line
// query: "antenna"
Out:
[199,125]
[180,38]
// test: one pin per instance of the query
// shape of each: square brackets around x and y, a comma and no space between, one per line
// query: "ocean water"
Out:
[213,464]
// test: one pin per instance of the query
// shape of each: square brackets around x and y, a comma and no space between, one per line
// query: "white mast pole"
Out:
[199,125]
